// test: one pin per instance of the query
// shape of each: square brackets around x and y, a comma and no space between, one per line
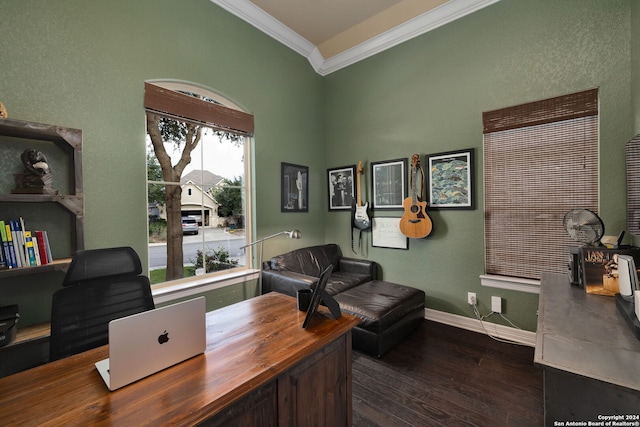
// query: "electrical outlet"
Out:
[471,298]
[496,304]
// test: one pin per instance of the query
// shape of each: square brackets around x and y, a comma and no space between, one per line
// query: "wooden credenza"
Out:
[260,368]
[589,356]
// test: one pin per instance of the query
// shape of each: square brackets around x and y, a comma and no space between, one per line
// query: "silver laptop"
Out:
[148,342]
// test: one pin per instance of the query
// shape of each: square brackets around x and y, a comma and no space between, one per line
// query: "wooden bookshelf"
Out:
[69,141]
[57,265]
[31,333]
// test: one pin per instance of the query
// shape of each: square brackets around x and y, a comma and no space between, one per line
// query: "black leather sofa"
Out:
[388,311]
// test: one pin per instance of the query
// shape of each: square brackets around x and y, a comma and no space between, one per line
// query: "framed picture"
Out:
[389,183]
[451,180]
[295,188]
[385,233]
[341,187]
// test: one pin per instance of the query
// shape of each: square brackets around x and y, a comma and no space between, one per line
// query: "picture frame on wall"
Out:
[389,183]
[341,187]
[294,188]
[450,179]
[385,233]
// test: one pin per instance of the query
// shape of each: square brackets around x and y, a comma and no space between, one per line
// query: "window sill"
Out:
[510,283]
[199,284]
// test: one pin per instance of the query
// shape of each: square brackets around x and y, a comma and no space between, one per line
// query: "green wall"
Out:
[427,96]
[83,64]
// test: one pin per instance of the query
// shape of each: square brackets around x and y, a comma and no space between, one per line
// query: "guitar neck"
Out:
[414,194]
[358,172]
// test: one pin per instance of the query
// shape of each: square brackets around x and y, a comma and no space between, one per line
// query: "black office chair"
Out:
[100,285]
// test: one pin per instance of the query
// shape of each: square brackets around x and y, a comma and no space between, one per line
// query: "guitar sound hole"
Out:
[415,208]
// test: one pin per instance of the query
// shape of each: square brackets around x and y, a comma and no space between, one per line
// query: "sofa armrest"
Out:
[285,282]
[360,266]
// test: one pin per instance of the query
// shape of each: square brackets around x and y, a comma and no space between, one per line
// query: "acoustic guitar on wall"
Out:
[415,222]
[360,217]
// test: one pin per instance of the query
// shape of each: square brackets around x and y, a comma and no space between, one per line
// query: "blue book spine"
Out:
[3,261]
[16,244]
[12,254]
[7,254]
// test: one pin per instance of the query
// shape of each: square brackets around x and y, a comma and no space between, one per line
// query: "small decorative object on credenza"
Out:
[37,177]
[600,268]
[3,111]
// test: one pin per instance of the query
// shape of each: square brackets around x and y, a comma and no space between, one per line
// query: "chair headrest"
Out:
[98,263]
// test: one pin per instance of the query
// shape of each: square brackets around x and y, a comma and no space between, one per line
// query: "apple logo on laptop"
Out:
[163,338]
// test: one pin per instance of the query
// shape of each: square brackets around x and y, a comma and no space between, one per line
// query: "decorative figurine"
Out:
[37,178]
[34,161]
[3,111]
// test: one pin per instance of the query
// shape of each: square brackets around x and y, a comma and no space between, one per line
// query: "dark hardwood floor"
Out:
[446,376]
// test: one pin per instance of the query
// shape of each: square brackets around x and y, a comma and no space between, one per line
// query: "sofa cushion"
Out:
[340,281]
[310,261]
[380,304]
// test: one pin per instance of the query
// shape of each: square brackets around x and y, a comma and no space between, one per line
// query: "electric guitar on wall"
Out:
[360,217]
[415,223]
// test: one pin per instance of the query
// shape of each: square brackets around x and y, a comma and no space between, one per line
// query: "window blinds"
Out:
[540,161]
[183,107]
[632,154]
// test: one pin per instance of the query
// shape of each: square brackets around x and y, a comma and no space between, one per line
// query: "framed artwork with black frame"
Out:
[341,187]
[294,188]
[389,183]
[451,178]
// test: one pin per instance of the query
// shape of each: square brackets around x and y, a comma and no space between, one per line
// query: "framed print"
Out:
[451,177]
[385,233]
[389,183]
[341,187]
[295,188]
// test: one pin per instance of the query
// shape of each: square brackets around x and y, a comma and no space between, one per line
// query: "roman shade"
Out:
[540,161]
[176,105]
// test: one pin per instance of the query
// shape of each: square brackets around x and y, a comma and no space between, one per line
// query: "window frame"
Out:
[236,115]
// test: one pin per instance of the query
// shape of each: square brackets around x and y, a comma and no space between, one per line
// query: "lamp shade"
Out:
[294,234]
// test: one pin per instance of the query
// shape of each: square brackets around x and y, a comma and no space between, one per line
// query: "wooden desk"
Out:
[260,367]
[590,357]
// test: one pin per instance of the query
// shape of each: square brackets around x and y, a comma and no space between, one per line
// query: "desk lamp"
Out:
[293,234]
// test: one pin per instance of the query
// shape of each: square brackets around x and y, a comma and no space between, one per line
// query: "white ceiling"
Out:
[333,34]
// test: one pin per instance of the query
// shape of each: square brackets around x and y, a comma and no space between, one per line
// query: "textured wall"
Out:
[83,64]
[427,96]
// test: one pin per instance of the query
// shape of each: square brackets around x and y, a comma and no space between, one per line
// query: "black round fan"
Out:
[584,226]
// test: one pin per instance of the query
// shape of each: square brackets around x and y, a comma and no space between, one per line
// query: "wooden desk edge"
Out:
[81,365]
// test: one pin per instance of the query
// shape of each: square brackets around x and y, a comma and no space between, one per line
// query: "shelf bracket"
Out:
[73,203]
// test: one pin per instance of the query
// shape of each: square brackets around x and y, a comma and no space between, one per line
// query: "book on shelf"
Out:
[7,244]
[11,229]
[3,260]
[31,253]
[47,247]
[43,245]
[21,247]
[36,251]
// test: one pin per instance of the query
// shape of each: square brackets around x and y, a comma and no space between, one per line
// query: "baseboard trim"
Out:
[519,336]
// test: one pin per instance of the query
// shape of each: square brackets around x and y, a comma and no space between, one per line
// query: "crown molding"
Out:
[444,14]
[266,23]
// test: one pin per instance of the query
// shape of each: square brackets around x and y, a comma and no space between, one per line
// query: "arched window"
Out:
[198,141]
